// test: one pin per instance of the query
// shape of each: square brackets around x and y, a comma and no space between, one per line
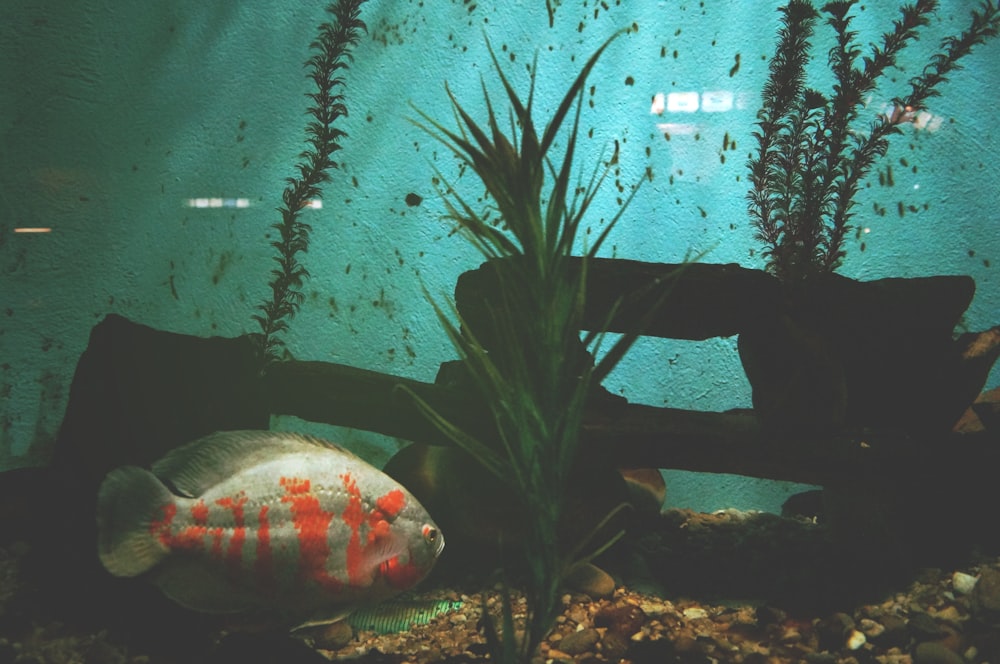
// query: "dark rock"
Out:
[757,658]
[652,652]
[139,392]
[805,505]
[579,642]
[590,580]
[624,620]
[769,615]
[935,652]
[614,646]
[833,631]
[478,509]
[646,489]
[136,394]
[820,658]
[895,634]
[334,636]
[924,628]
[986,596]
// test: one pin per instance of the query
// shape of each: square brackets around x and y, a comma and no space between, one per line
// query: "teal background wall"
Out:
[115,115]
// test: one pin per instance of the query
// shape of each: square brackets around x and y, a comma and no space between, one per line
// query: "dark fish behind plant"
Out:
[270,525]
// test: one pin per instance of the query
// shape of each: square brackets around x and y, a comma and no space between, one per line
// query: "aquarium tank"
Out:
[622,292]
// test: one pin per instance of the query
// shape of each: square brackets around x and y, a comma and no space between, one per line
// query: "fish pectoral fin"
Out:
[199,587]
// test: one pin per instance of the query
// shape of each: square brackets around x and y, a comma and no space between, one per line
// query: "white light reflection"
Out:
[677,128]
[218,202]
[709,101]
[682,102]
[29,229]
[240,203]
[716,101]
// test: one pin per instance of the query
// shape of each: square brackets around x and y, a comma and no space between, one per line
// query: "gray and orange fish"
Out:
[275,526]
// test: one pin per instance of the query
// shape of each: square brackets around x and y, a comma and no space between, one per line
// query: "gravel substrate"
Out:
[729,587]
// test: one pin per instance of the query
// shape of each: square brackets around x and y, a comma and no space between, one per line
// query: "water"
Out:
[148,145]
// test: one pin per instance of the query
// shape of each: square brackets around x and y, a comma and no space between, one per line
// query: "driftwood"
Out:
[705,300]
[641,436]
[139,390]
[833,352]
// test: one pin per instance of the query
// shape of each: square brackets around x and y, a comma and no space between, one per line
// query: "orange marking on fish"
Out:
[392,503]
[160,528]
[401,575]
[354,516]
[216,535]
[199,512]
[234,552]
[189,538]
[381,528]
[294,485]
[264,563]
[312,523]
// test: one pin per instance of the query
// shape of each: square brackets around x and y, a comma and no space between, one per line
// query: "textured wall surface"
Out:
[115,115]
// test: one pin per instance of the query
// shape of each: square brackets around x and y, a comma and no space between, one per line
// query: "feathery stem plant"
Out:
[331,54]
[534,379]
[810,160]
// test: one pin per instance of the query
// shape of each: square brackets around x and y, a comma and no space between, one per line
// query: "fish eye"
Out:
[430,533]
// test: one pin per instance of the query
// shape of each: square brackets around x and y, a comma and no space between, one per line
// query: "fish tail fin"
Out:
[128,502]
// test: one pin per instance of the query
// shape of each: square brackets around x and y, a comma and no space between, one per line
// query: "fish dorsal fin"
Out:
[193,468]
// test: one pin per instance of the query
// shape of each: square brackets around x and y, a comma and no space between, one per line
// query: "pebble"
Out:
[590,580]
[894,634]
[855,640]
[558,656]
[949,613]
[767,615]
[820,658]
[654,609]
[579,642]
[694,613]
[834,631]
[334,636]
[933,652]
[625,620]
[923,627]
[963,583]
[871,628]
[578,615]
[986,595]
[614,646]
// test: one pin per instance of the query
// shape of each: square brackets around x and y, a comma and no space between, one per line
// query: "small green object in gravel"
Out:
[392,617]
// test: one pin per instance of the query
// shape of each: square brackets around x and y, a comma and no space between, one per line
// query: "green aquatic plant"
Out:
[535,378]
[331,55]
[810,157]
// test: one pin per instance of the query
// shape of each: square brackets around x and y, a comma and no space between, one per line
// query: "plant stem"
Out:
[331,55]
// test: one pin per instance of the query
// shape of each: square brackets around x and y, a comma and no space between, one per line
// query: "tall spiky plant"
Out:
[331,55]
[534,379]
[810,159]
